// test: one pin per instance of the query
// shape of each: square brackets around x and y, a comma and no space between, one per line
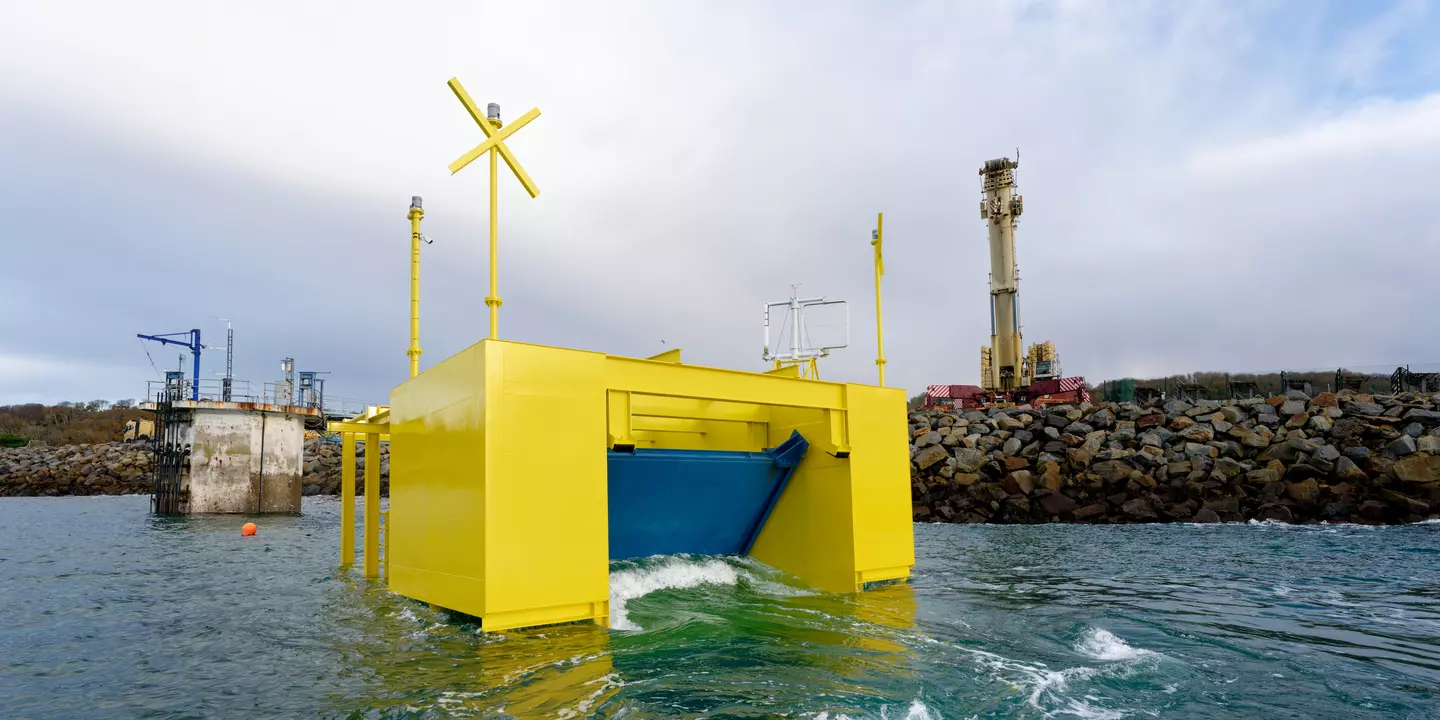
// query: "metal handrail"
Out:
[243,391]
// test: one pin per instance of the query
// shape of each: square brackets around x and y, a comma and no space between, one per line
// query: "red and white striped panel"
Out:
[1072,383]
[937,391]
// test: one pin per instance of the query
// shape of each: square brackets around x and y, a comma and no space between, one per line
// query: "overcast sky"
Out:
[1209,186]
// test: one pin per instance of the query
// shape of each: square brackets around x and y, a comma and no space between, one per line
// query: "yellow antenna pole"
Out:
[493,300]
[414,352]
[495,135]
[877,240]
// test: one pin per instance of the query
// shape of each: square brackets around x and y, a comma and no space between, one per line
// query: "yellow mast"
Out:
[877,241]
[414,352]
[495,135]
[493,301]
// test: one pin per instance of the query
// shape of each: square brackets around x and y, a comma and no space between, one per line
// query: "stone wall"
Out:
[1337,458]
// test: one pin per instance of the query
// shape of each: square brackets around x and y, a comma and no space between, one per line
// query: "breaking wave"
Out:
[1102,644]
[670,573]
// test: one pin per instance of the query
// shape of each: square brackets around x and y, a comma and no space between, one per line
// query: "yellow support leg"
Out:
[347,500]
[372,505]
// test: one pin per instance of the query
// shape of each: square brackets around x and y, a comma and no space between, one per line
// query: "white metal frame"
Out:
[796,306]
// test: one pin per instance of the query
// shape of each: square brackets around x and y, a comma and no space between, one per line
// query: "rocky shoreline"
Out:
[322,468]
[107,469]
[123,468]
[1343,457]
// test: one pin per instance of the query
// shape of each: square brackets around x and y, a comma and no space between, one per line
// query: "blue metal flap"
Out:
[706,502]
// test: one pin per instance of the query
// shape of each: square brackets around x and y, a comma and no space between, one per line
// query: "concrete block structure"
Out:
[237,457]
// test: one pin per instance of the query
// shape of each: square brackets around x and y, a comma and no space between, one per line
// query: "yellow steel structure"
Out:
[808,368]
[877,242]
[347,499]
[495,514]
[374,424]
[495,135]
[500,512]
[414,352]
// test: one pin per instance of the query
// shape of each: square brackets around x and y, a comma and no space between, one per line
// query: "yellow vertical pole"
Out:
[372,505]
[414,352]
[878,242]
[493,300]
[347,499]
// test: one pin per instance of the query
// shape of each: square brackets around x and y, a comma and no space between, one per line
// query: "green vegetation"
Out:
[67,423]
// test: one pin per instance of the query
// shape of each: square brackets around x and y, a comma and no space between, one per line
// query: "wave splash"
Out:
[1101,644]
[670,573]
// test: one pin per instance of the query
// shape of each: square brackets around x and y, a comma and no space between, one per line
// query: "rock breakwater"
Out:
[1343,457]
[322,468]
[123,468]
[101,469]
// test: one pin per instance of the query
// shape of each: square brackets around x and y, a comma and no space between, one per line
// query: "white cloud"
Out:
[694,161]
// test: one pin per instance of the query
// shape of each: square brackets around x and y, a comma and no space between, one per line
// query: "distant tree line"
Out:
[66,423]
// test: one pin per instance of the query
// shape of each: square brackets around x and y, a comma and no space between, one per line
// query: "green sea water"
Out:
[107,612]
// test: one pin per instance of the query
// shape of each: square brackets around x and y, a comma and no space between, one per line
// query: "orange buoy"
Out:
[248,529]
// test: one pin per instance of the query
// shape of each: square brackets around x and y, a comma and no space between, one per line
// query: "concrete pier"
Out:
[244,457]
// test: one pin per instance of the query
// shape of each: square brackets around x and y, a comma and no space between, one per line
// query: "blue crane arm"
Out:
[193,343]
[165,338]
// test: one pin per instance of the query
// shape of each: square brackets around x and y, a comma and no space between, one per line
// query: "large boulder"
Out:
[1139,509]
[1275,512]
[1414,469]
[1225,505]
[1020,481]
[1200,433]
[1101,418]
[1205,515]
[969,460]
[1407,504]
[1305,491]
[931,455]
[1364,408]
[1112,471]
[1057,504]
[1403,445]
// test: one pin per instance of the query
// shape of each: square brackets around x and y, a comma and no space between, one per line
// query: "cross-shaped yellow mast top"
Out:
[495,135]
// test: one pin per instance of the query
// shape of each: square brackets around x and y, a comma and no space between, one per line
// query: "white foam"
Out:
[1082,709]
[918,711]
[1101,644]
[672,573]
[607,683]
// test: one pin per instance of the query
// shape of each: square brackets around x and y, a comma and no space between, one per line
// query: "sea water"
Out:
[108,612]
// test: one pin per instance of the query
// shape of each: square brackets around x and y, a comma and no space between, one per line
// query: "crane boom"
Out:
[192,342]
